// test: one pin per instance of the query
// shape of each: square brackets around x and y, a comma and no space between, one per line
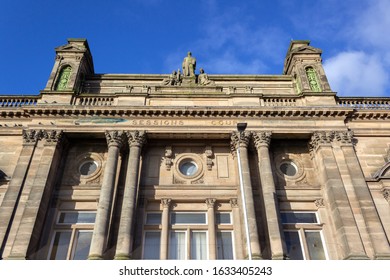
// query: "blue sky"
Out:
[153,36]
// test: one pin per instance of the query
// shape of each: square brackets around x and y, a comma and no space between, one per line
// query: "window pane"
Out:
[224,246]
[296,218]
[152,245]
[315,246]
[60,247]
[177,246]
[82,245]
[223,218]
[77,218]
[153,218]
[188,218]
[199,246]
[294,249]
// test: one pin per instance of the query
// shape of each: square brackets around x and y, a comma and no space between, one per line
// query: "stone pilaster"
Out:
[210,202]
[115,141]
[165,202]
[348,239]
[238,237]
[15,187]
[33,211]
[362,196]
[240,142]
[262,142]
[136,140]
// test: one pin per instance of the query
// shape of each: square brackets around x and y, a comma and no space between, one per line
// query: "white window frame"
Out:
[188,224]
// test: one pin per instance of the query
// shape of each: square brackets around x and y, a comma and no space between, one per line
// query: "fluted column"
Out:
[262,141]
[15,187]
[100,233]
[363,196]
[33,211]
[136,140]
[348,239]
[210,202]
[240,142]
[165,202]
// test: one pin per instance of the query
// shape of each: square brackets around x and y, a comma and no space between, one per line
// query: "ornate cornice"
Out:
[115,138]
[136,138]
[262,138]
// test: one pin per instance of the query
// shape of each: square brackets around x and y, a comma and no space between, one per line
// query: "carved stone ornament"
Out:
[320,138]
[234,202]
[168,157]
[386,194]
[166,202]
[210,202]
[209,154]
[115,138]
[344,137]
[319,202]
[53,136]
[31,136]
[239,139]
[262,139]
[136,138]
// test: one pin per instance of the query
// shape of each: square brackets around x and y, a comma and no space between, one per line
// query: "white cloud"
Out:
[357,73]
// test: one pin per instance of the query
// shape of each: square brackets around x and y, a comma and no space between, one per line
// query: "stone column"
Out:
[241,141]
[100,233]
[166,202]
[237,233]
[348,239]
[33,210]
[363,196]
[136,139]
[15,187]
[210,202]
[262,141]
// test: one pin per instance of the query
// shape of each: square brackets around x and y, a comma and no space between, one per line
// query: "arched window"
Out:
[313,80]
[63,78]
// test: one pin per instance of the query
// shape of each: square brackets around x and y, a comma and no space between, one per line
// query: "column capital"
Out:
[114,138]
[53,137]
[31,136]
[210,202]
[136,138]
[262,138]
[239,139]
[319,202]
[166,202]
[344,137]
[321,138]
[234,202]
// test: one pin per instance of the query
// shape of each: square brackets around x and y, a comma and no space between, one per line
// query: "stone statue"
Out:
[203,78]
[173,79]
[189,65]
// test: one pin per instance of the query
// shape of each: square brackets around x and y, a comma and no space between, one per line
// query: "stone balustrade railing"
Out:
[94,101]
[18,101]
[364,102]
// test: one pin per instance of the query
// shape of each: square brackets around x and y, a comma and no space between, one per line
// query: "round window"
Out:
[289,168]
[188,168]
[88,168]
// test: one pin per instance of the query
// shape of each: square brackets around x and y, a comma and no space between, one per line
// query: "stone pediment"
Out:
[306,50]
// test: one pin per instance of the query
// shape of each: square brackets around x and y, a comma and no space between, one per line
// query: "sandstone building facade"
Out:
[126,166]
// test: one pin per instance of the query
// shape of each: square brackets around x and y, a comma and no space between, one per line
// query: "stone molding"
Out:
[115,138]
[136,138]
[262,139]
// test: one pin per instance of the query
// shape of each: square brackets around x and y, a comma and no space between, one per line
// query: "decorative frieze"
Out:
[115,138]
[262,139]
[136,138]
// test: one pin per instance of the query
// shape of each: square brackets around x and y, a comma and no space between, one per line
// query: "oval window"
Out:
[289,168]
[188,168]
[88,168]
